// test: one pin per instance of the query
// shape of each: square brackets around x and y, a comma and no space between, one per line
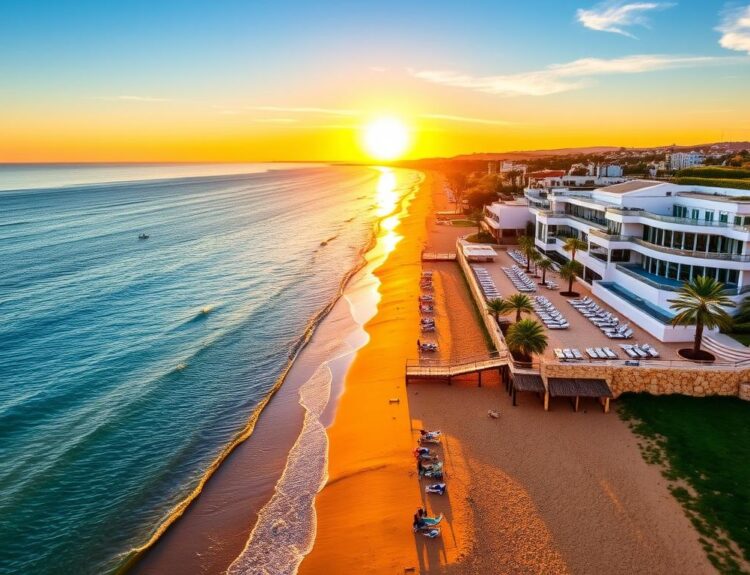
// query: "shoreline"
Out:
[370,467]
[164,552]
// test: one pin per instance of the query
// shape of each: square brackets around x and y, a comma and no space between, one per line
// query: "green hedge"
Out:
[715,172]
[716,183]
[741,328]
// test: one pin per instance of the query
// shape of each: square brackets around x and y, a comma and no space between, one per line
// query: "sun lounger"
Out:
[577,353]
[610,354]
[629,350]
[568,354]
[600,352]
[650,350]
[592,353]
[559,353]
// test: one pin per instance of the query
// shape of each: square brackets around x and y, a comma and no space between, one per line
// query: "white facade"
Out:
[568,181]
[645,239]
[681,160]
[505,221]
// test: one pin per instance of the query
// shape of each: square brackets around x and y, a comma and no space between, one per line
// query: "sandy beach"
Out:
[530,492]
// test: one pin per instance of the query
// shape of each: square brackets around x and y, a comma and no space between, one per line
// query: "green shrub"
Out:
[717,183]
[715,172]
[741,328]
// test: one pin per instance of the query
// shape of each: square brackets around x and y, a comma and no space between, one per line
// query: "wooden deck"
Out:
[438,257]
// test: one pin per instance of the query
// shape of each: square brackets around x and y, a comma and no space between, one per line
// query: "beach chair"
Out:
[559,353]
[568,354]
[610,354]
[576,353]
[600,352]
[650,350]
[628,349]
[592,353]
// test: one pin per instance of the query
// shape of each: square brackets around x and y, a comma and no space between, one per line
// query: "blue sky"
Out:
[458,58]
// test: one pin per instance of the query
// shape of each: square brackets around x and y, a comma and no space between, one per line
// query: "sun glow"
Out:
[386,138]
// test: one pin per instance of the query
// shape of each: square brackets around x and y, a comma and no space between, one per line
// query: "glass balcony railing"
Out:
[668,284]
[692,254]
[676,220]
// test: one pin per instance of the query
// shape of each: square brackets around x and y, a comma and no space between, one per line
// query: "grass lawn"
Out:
[481,238]
[743,338]
[463,223]
[704,445]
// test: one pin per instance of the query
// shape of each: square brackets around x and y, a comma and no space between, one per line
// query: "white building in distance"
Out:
[682,160]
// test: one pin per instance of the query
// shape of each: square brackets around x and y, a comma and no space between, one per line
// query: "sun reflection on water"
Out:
[387,198]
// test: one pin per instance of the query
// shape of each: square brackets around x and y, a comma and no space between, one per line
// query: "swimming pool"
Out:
[658,313]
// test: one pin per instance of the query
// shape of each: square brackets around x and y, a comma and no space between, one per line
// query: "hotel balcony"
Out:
[639,216]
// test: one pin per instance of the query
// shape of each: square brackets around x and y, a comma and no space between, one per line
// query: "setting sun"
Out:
[386,138]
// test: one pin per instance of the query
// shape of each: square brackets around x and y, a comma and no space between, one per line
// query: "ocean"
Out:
[128,365]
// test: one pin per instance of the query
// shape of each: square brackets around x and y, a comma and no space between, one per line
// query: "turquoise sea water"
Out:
[126,365]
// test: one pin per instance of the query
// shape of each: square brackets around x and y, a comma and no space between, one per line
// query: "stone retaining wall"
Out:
[657,381]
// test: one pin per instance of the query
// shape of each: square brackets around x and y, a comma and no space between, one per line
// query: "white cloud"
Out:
[616,16]
[559,78]
[465,119]
[735,29]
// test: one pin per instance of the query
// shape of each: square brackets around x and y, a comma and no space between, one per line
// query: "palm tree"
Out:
[536,257]
[544,264]
[526,243]
[572,245]
[477,216]
[702,302]
[519,303]
[497,307]
[570,271]
[457,183]
[526,338]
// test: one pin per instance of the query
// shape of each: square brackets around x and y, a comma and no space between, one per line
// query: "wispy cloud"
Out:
[139,99]
[465,119]
[735,29]
[559,78]
[275,120]
[617,16]
[307,110]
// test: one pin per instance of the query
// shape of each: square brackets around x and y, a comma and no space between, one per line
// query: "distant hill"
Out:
[519,155]
[529,154]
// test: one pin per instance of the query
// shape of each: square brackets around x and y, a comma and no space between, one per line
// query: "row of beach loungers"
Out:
[592,352]
[549,314]
[519,279]
[518,257]
[489,289]
[426,308]
[601,318]
[642,351]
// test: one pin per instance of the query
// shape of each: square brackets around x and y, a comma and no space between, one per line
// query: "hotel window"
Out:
[709,215]
[733,276]
[677,240]
[667,238]
[698,271]
[684,274]
[672,271]
[689,243]
[713,244]
[722,276]
[694,214]
[701,242]
[737,221]
[723,217]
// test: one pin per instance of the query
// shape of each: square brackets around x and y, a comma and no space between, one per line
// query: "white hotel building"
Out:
[645,239]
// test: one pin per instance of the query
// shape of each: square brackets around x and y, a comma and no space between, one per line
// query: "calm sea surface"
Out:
[126,365]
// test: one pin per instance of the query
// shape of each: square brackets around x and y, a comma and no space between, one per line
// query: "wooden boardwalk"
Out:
[438,257]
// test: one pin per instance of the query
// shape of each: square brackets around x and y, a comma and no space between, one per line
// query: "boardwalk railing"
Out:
[445,369]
